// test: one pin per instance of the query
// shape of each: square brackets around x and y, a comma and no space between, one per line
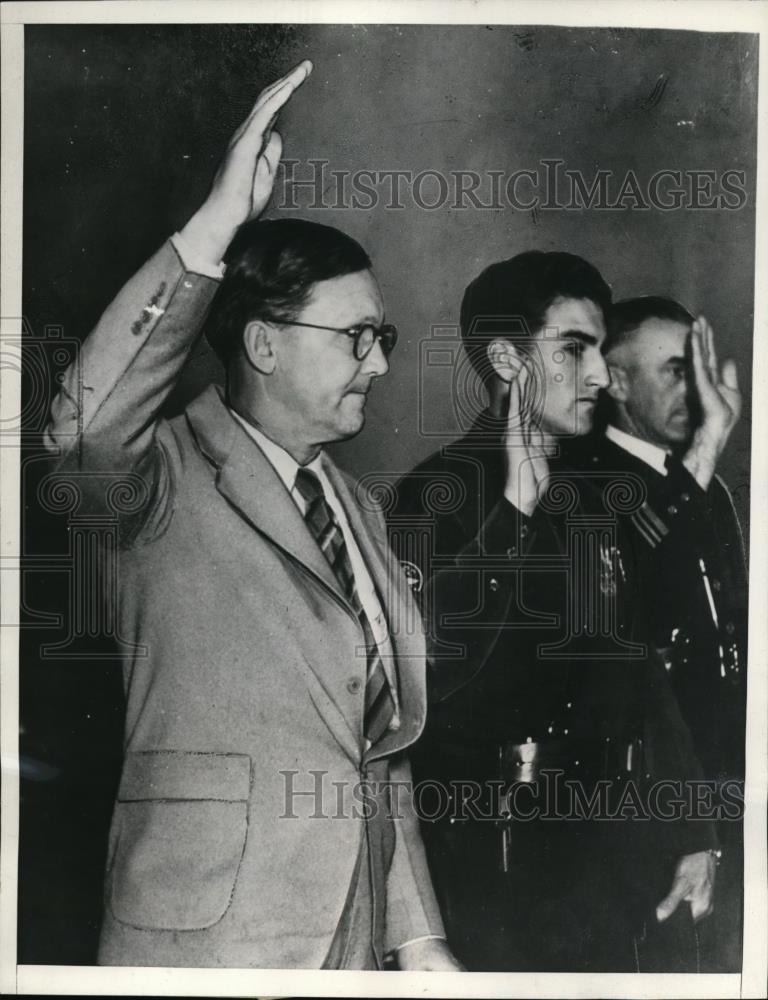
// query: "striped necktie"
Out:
[320,519]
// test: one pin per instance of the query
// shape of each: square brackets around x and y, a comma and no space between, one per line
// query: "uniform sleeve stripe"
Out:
[654,520]
[653,542]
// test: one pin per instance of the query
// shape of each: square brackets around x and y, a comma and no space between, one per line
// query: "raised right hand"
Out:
[720,399]
[527,466]
[243,183]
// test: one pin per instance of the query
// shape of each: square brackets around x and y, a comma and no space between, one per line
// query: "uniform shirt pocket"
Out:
[182,823]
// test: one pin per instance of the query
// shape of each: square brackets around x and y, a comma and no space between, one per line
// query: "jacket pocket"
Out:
[182,822]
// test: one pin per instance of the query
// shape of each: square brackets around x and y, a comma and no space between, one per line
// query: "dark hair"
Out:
[512,298]
[271,269]
[626,316]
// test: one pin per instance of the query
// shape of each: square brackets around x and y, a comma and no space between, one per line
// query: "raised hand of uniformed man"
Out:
[694,883]
[720,399]
[527,466]
[243,183]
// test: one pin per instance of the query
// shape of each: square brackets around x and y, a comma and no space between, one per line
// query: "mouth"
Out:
[590,400]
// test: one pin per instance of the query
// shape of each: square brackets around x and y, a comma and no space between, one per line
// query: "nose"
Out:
[597,374]
[375,362]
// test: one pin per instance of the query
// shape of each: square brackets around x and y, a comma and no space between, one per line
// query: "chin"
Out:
[581,425]
[677,434]
[349,427]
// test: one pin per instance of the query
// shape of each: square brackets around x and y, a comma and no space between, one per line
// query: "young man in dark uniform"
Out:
[548,707]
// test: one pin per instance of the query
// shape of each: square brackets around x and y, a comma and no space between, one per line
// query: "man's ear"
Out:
[505,359]
[618,389]
[257,345]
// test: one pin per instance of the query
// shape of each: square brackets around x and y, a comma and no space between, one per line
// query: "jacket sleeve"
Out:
[103,427]
[412,910]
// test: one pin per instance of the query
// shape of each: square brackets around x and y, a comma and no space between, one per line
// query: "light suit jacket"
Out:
[239,814]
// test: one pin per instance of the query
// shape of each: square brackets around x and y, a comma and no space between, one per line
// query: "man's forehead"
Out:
[346,299]
[570,316]
[659,339]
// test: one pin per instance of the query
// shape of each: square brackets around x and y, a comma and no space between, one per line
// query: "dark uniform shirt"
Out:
[693,567]
[538,641]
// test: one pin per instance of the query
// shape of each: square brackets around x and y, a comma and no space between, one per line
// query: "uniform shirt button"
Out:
[493,583]
[671,509]
[353,685]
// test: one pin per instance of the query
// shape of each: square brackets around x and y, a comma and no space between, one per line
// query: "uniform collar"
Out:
[649,453]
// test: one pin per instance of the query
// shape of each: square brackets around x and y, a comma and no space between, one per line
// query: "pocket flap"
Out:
[184,774]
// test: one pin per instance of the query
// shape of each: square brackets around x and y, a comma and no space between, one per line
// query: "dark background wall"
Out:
[124,127]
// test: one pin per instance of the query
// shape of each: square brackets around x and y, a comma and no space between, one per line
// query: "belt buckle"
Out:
[520,762]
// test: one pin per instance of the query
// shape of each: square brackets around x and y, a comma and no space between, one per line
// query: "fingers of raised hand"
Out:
[515,404]
[270,157]
[730,375]
[270,101]
[710,351]
[729,388]
[697,352]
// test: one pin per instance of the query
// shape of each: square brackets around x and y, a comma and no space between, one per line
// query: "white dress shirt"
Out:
[286,467]
[649,453]
[195,261]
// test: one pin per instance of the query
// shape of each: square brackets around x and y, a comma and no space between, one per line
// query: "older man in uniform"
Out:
[671,412]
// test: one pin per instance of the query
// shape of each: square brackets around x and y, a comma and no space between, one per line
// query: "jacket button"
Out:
[353,685]
[512,551]
[493,583]
[716,585]
[671,509]
[730,628]
[685,497]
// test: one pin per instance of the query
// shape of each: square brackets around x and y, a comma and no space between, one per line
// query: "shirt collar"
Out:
[285,464]
[649,453]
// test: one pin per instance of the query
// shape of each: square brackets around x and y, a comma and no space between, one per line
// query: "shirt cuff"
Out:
[194,261]
[423,937]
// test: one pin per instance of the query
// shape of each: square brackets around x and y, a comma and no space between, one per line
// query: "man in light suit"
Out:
[260,820]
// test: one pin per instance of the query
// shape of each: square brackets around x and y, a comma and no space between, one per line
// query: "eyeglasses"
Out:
[364,336]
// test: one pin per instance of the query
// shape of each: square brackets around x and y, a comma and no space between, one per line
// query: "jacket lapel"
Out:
[250,484]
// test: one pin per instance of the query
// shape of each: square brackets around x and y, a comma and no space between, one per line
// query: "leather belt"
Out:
[486,779]
[585,760]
